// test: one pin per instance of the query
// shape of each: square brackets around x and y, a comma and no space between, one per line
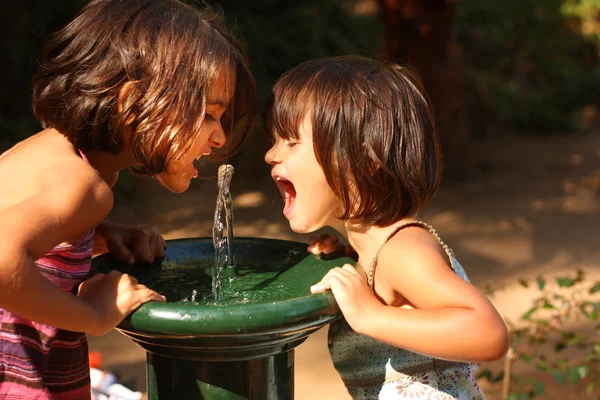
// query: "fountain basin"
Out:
[264,313]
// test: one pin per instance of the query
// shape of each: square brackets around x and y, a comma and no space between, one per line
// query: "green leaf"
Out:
[558,376]
[577,373]
[562,362]
[573,375]
[590,310]
[565,282]
[524,283]
[529,312]
[541,282]
[595,288]
[590,387]
[518,396]
[498,377]
[542,365]
[582,371]
[538,388]
[486,373]
[526,357]
[572,338]
[548,305]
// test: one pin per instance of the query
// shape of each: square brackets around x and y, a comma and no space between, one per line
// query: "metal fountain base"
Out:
[242,347]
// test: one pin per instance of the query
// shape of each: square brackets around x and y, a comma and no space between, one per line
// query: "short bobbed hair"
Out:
[161,56]
[373,133]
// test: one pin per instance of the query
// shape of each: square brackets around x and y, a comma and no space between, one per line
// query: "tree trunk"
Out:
[418,33]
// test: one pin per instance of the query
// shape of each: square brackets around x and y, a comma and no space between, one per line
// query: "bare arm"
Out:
[450,320]
[30,229]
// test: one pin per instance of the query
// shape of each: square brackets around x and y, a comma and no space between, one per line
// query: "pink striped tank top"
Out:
[38,361]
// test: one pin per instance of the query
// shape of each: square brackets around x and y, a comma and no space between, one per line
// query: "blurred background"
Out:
[515,88]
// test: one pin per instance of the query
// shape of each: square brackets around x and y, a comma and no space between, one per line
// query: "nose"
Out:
[271,154]
[218,138]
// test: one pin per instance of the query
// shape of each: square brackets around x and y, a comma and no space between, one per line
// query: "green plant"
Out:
[564,315]
[529,64]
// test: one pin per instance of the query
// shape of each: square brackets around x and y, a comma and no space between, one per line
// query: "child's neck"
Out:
[108,165]
[366,240]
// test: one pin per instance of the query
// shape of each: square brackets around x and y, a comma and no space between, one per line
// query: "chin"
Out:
[178,190]
[302,228]
[175,187]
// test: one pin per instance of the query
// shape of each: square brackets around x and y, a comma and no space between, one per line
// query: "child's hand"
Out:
[131,244]
[352,293]
[328,244]
[114,296]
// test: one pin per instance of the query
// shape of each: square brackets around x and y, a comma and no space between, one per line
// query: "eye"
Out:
[210,117]
[290,143]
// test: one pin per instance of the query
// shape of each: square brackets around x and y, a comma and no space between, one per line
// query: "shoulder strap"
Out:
[447,250]
[82,154]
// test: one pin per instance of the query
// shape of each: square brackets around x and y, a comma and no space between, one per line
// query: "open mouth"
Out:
[198,162]
[288,193]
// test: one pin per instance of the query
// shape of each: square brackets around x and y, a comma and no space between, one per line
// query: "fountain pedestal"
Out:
[241,348]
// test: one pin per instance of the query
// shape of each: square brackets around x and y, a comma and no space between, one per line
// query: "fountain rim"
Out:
[198,320]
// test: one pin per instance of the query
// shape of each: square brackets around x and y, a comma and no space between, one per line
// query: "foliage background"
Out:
[527,65]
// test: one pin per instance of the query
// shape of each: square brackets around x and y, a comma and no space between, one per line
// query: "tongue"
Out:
[289,195]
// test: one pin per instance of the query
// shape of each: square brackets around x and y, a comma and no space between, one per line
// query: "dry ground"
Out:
[532,206]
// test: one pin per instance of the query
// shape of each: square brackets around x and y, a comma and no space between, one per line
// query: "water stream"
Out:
[223,223]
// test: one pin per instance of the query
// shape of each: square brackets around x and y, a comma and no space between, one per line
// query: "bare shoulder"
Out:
[412,247]
[43,162]
[75,188]
[45,178]
[414,265]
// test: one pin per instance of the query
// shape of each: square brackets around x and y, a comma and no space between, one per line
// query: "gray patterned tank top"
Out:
[372,369]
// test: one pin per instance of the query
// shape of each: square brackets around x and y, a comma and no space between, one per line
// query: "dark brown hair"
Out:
[166,54]
[373,133]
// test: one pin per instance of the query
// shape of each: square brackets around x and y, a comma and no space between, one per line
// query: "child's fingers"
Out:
[159,246]
[349,252]
[142,249]
[350,269]
[325,283]
[320,287]
[119,250]
[315,244]
[330,244]
[324,243]
[145,295]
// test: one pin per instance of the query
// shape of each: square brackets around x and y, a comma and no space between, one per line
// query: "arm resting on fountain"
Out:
[419,304]
[31,229]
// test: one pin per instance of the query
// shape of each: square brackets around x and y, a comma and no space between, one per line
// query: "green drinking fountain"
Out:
[241,346]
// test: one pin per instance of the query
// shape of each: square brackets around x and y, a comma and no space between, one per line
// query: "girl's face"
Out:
[310,203]
[180,172]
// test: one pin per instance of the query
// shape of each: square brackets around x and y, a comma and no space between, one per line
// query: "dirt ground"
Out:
[531,206]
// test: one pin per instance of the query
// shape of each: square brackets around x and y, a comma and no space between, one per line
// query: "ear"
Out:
[124,99]
[124,95]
